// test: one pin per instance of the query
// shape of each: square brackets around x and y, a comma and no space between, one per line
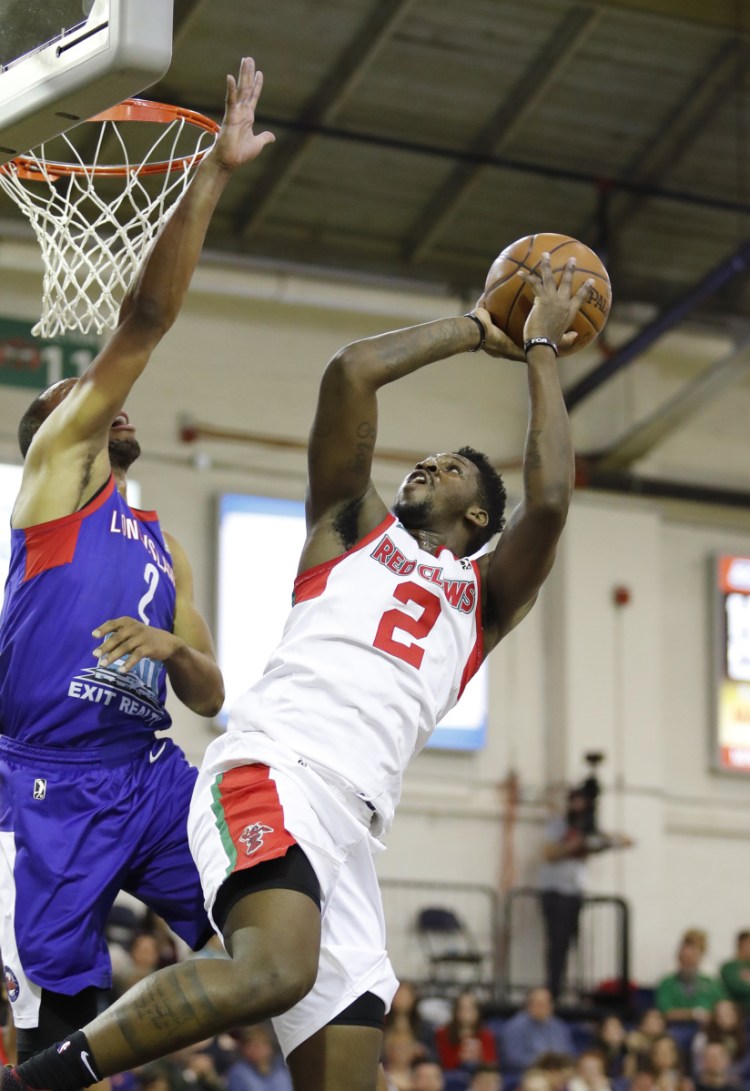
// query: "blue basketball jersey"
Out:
[66,578]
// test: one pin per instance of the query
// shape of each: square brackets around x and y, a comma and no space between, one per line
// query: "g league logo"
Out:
[40,788]
[11,984]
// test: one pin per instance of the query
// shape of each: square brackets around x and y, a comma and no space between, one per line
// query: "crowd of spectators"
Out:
[693,1038]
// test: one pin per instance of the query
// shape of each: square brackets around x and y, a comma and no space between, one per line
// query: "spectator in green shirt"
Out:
[689,995]
[735,974]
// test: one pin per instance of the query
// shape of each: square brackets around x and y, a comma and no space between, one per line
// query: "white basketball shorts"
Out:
[252,800]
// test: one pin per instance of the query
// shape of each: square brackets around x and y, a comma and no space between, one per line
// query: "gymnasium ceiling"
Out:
[416,138]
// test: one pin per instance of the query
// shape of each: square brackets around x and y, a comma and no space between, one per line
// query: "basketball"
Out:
[509,300]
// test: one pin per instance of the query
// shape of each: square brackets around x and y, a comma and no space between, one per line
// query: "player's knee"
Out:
[291,973]
[289,984]
[271,985]
[276,973]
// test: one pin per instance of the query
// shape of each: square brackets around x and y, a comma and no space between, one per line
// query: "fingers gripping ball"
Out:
[509,300]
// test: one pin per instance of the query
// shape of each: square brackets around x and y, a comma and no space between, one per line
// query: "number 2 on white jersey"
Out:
[151,576]
[418,627]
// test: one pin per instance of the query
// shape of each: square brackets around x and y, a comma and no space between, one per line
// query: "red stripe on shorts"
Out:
[254,815]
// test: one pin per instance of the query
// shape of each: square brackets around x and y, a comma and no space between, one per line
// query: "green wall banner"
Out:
[35,362]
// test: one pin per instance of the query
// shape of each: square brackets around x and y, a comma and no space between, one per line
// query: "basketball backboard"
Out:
[63,61]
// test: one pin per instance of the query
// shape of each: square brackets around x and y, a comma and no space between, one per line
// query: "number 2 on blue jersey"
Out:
[151,576]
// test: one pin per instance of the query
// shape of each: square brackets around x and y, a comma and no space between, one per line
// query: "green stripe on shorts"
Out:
[221,825]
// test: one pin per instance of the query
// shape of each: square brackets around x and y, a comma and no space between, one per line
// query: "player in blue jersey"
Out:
[98,611]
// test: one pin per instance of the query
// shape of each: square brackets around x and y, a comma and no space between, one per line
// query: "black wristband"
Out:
[532,341]
[482,332]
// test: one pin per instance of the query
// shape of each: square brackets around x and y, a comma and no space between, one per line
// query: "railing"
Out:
[601,957]
[505,952]
[436,962]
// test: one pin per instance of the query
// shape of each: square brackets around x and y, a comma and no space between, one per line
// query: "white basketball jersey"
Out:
[379,645]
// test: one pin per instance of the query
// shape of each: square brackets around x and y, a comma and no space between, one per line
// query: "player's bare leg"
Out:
[337,1058]
[273,937]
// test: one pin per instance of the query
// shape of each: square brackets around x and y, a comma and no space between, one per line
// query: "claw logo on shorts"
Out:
[11,984]
[252,836]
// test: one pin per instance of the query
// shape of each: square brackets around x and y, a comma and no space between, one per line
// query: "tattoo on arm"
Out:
[359,464]
[403,350]
[532,457]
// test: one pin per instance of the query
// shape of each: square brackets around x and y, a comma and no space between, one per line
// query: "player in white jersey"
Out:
[391,635]
[390,620]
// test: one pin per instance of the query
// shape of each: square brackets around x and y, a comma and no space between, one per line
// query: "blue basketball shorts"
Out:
[75,829]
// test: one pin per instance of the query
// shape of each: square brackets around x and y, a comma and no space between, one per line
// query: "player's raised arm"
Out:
[344,431]
[154,300]
[518,567]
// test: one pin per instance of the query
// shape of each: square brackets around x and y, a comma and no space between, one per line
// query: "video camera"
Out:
[589,790]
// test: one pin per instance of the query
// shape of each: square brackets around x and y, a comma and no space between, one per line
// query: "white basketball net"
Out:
[92,245]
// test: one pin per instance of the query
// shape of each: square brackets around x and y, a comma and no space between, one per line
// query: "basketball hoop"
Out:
[95,221]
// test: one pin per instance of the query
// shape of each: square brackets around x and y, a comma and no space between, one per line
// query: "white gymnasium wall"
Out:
[579,674]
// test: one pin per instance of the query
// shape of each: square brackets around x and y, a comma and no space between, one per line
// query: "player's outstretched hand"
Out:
[237,143]
[124,636]
[554,306]
[496,343]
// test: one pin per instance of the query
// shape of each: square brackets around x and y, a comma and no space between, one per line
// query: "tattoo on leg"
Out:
[166,1007]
